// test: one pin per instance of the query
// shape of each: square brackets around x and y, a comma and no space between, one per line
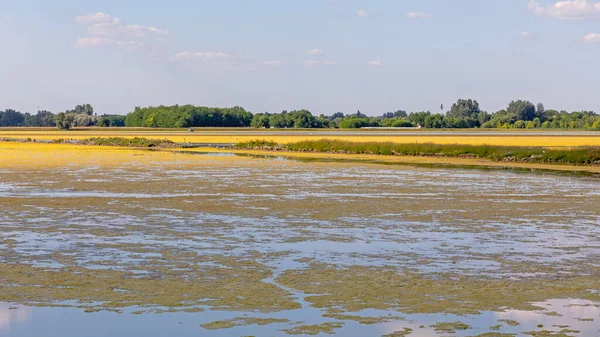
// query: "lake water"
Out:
[126,243]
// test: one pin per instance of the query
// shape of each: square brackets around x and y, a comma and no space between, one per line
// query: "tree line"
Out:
[465,113]
[81,115]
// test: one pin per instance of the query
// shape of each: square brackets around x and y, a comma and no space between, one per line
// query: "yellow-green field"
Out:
[471,137]
[41,155]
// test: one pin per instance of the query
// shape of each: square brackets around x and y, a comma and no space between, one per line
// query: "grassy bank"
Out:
[571,156]
[121,142]
[102,141]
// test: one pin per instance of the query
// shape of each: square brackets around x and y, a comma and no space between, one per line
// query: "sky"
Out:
[322,55]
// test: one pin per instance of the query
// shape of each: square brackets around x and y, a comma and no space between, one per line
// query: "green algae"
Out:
[509,322]
[363,319]
[357,288]
[450,327]
[242,321]
[546,333]
[316,329]
[400,333]
[495,334]
[240,289]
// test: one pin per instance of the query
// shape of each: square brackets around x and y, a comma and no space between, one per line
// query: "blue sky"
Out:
[322,55]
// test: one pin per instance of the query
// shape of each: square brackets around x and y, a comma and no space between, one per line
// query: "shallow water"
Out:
[119,232]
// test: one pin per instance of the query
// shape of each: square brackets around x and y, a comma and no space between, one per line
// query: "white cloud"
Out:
[525,35]
[323,63]
[208,57]
[103,29]
[569,9]
[92,18]
[273,63]
[418,15]
[314,52]
[201,60]
[591,38]
[375,63]
[362,13]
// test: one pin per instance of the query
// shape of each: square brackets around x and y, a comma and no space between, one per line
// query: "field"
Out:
[232,136]
[221,243]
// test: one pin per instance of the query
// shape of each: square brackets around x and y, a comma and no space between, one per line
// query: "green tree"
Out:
[260,121]
[522,110]
[11,118]
[466,109]
[64,121]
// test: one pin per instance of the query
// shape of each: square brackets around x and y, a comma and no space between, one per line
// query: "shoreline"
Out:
[402,160]
[441,161]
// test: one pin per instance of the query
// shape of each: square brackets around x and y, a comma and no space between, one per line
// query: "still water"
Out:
[136,243]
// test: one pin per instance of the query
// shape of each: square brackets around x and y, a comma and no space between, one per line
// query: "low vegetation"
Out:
[575,155]
[122,142]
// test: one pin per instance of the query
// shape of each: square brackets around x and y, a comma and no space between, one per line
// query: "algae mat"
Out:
[192,244]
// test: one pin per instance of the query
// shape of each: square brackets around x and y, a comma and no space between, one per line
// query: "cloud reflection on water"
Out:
[9,316]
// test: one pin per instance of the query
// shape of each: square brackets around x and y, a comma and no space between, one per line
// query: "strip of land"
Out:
[570,159]
[230,136]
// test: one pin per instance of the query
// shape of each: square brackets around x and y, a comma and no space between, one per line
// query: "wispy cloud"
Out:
[104,29]
[375,63]
[591,38]
[272,63]
[206,57]
[322,63]
[569,9]
[418,15]
[314,52]
[525,35]
[362,13]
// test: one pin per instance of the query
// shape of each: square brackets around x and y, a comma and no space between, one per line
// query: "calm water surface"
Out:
[235,222]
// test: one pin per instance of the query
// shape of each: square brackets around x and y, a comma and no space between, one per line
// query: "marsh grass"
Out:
[117,141]
[317,329]
[575,155]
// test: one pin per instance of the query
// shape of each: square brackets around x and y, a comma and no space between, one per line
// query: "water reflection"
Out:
[11,316]
[554,315]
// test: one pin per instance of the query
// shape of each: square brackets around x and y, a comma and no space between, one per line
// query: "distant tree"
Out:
[522,110]
[395,114]
[64,121]
[434,121]
[42,118]
[85,109]
[111,121]
[418,118]
[354,122]
[11,118]
[466,109]
[483,117]
[260,121]
[400,113]
[541,110]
